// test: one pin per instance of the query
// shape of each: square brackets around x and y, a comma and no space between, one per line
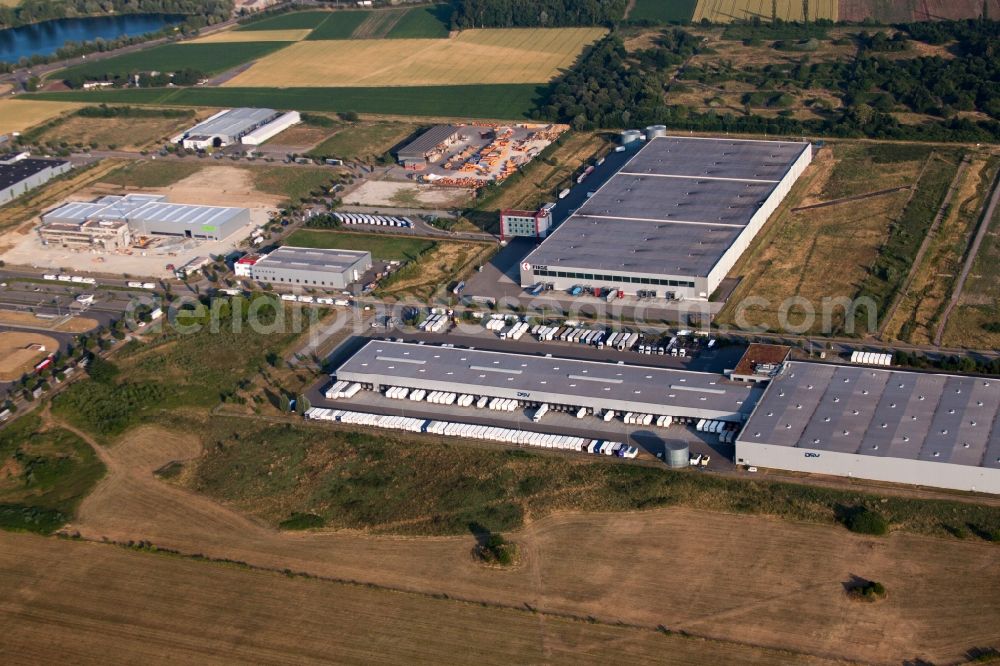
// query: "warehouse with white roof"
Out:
[530,380]
[672,222]
[228,127]
[312,267]
[872,423]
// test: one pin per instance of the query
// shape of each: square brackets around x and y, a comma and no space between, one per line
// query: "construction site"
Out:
[473,155]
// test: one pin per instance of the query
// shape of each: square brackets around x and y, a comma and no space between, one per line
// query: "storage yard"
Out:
[672,221]
[471,156]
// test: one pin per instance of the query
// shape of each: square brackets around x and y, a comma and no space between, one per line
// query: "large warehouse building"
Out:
[20,173]
[227,127]
[74,223]
[311,267]
[554,381]
[886,425]
[674,219]
[428,146]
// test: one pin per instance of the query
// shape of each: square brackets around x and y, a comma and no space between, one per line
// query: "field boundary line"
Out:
[149,548]
[971,253]
[942,210]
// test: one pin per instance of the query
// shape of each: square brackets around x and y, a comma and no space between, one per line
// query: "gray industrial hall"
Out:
[885,425]
[311,267]
[20,173]
[535,380]
[674,219]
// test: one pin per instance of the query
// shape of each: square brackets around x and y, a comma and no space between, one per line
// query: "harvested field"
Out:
[724,11]
[61,324]
[757,579]
[237,36]
[17,355]
[145,607]
[823,253]
[474,56]
[903,11]
[17,115]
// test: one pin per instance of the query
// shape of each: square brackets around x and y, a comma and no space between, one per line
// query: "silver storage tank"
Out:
[677,454]
[654,131]
[631,138]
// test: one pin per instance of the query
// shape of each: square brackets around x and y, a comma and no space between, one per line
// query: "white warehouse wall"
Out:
[273,128]
[875,468]
[742,242]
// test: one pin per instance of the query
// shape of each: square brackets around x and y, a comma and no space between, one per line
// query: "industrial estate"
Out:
[545,332]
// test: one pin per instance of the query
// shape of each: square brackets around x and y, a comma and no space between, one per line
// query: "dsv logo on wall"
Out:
[810,454]
[523,394]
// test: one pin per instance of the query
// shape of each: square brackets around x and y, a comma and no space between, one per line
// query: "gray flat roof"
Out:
[572,379]
[878,412]
[232,122]
[312,259]
[428,141]
[143,208]
[674,208]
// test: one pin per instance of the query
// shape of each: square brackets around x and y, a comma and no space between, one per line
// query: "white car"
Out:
[695,459]
[751,469]
[707,459]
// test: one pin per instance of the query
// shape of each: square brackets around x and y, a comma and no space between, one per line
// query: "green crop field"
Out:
[508,101]
[339,25]
[205,58]
[291,21]
[423,23]
[385,247]
[663,11]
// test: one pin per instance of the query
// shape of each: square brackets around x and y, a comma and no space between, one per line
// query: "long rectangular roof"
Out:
[428,141]
[232,122]
[16,171]
[658,388]
[312,259]
[878,412]
[148,208]
[673,208]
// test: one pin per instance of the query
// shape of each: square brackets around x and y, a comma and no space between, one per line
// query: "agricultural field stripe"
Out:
[500,101]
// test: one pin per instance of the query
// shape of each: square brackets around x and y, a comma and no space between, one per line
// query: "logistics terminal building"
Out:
[534,380]
[886,425]
[313,267]
[674,219]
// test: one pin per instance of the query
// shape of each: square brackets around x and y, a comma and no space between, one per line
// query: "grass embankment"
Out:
[505,101]
[190,366]
[392,484]
[45,473]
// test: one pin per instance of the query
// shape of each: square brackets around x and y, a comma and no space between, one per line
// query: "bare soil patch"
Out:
[17,355]
[62,324]
[393,193]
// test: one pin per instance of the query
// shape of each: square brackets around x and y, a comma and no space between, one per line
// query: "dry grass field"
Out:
[474,56]
[724,11]
[902,11]
[918,315]
[822,252]
[238,36]
[747,579]
[979,305]
[77,602]
[17,115]
[121,133]
[63,325]
[17,358]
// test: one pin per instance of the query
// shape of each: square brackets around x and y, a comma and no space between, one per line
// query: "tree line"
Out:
[535,13]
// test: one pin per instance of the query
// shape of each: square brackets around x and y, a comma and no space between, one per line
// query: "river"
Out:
[45,38]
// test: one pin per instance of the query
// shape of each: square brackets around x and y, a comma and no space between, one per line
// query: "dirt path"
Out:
[856,197]
[915,266]
[970,258]
[777,583]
